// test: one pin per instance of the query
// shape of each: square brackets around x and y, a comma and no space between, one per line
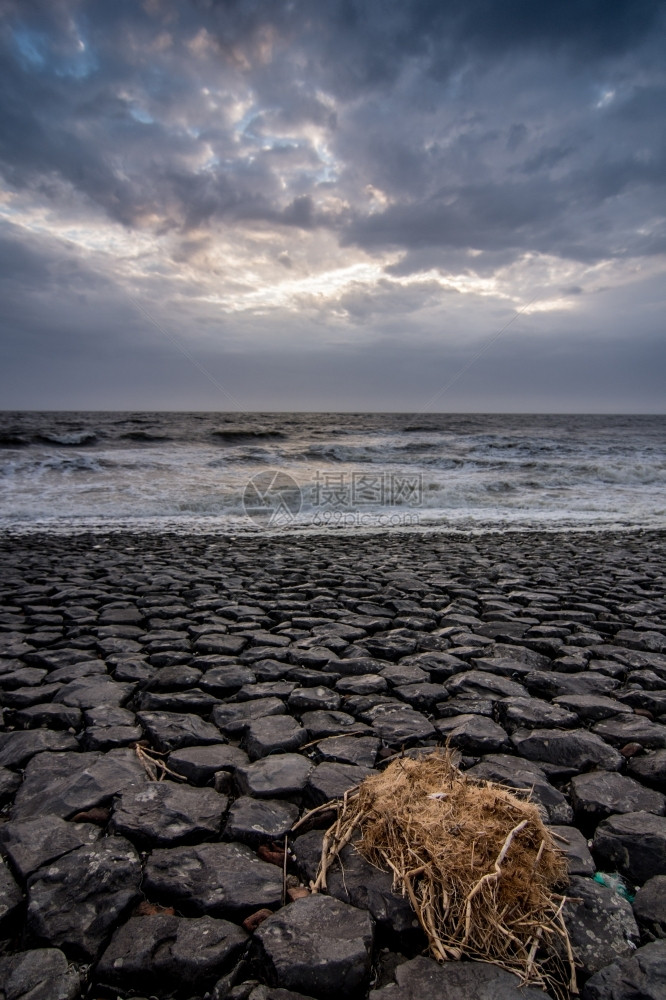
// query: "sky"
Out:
[343,205]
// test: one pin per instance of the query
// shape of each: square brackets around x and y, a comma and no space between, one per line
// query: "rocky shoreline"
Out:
[256,678]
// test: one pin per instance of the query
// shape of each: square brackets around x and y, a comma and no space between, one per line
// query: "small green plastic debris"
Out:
[614,881]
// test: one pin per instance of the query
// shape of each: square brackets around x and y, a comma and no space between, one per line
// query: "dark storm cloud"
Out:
[424,134]
[92,98]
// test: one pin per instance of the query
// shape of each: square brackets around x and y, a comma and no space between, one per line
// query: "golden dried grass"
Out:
[478,864]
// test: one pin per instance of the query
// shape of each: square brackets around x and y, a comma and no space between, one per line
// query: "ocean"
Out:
[249,472]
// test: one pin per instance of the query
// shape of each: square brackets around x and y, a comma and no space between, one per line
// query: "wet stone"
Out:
[75,901]
[574,845]
[641,976]
[265,689]
[31,844]
[233,720]
[632,729]
[322,724]
[280,775]
[465,705]
[402,726]
[633,844]
[359,666]
[39,974]
[17,748]
[533,713]
[273,734]
[313,699]
[359,750]
[226,679]
[221,879]
[165,812]
[422,697]
[592,707]
[23,677]
[473,734]
[361,684]
[650,769]
[524,774]
[578,749]
[172,730]
[650,905]
[400,674]
[330,781]
[485,684]
[601,928]
[553,683]
[424,979]
[192,701]
[49,716]
[167,952]
[318,946]
[67,783]
[254,821]
[90,691]
[11,896]
[598,794]
[9,782]
[200,764]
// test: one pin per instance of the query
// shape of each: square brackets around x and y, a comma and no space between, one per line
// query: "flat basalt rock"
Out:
[225,880]
[319,946]
[281,774]
[598,794]
[273,734]
[10,894]
[164,813]
[171,952]
[17,748]
[39,974]
[601,927]
[35,842]
[75,901]
[423,979]
[255,821]
[200,764]
[574,748]
[173,730]
[67,783]
[634,844]
[641,976]
[331,780]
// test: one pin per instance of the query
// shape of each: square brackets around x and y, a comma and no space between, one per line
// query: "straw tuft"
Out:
[474,858]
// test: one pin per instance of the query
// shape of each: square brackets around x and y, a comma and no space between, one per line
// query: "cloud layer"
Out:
[276,192]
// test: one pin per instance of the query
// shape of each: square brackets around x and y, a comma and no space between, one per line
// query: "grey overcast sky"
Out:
[268,205]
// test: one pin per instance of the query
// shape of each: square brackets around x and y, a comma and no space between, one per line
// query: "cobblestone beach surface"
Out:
[259,677]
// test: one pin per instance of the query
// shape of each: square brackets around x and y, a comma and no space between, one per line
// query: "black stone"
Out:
[17,748]
[75,901]
[10,894]
[574,845]
[273,734]
[331,780]
[33,843]
[598,794]
[317,945]
[650,905]
[170,952]
[171,730]
[200,764]
[360,750]
[641,976]
[40,974]
[225,880]
[67,783]
[164,812]
[633,844]
[473,734]
[577,749]
[234,720]
[279,775]
[423,979]
[601,927]
[254,821]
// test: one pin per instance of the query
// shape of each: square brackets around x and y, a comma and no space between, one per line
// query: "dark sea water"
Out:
[294,472]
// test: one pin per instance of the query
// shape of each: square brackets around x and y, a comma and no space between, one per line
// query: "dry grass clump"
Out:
[475,859]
